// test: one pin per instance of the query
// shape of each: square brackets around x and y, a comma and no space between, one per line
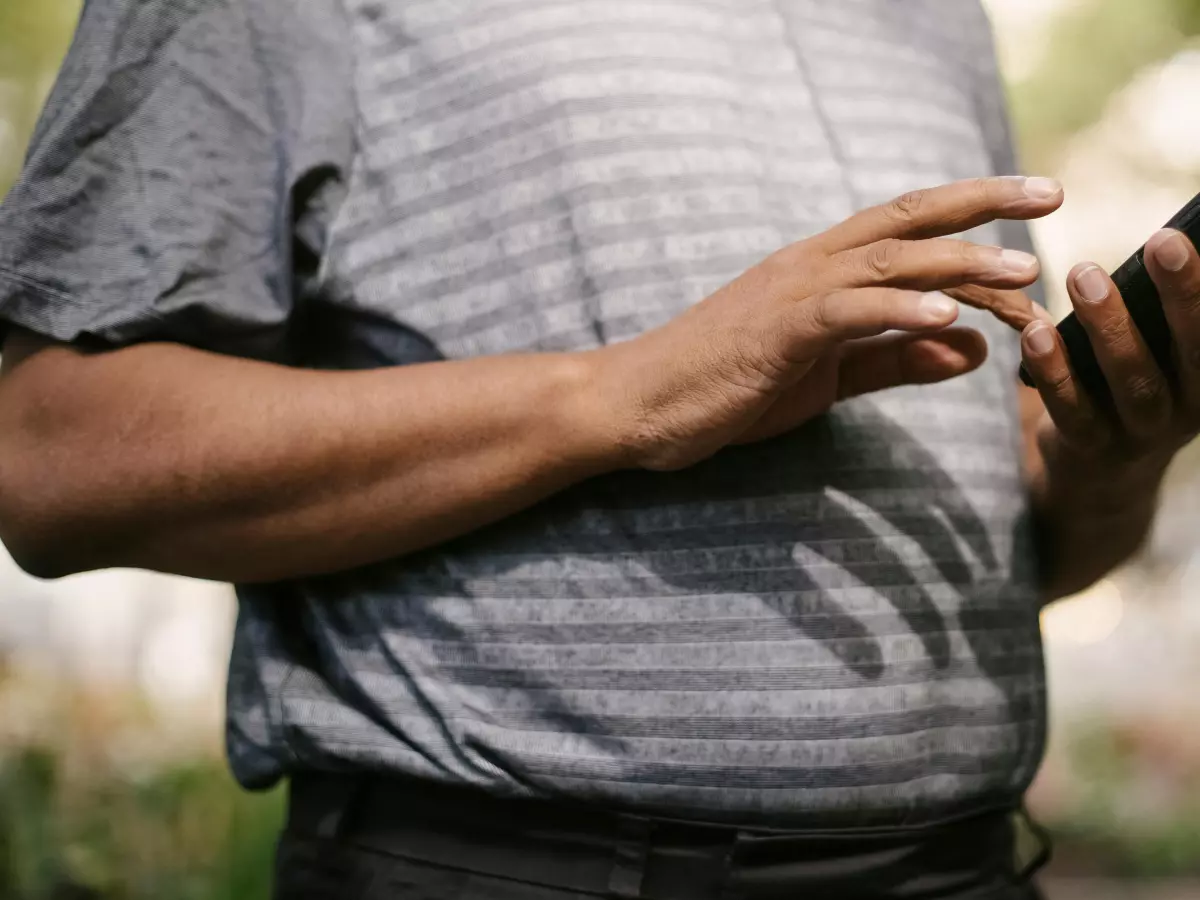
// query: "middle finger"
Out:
[931,265]
[1141,394]
[1174,265]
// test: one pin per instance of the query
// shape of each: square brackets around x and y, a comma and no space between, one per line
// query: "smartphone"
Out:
[1145,308]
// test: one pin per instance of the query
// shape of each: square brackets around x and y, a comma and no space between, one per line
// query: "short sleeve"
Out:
[188,149]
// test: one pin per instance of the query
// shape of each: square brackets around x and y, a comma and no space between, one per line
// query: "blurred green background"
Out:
[112,783]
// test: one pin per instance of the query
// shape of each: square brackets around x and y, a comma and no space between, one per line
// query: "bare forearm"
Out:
[163,457]
[171,459]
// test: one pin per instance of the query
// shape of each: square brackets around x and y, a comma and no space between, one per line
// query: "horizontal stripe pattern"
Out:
[837,625]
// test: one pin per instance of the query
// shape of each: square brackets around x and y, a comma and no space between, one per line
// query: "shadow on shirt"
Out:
[873,484]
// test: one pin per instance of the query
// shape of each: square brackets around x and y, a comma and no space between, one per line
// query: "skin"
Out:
[164,457]
[1095,477]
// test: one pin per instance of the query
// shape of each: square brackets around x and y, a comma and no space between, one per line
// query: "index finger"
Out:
[945,210]
[1016,309]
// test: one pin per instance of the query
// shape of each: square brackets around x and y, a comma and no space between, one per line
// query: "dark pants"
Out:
[385,840]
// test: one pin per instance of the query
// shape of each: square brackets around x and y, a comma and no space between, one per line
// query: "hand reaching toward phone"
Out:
[807,326]
[217,471]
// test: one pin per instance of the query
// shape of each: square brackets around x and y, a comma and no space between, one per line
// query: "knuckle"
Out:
[907,207]
[1145,390]
[968,254]
[1060,383]
[1148,396]
[981,192]
[1189,304]
[1115,330]
[820,314]
[880,258]
[758,366]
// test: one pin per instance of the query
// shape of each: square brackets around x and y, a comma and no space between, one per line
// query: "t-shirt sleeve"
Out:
[189,153]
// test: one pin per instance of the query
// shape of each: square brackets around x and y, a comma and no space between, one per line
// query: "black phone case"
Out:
[1145,308]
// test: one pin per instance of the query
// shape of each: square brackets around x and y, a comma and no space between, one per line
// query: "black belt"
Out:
[578,848]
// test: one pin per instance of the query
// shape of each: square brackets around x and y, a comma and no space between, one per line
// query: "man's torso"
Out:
[837,626]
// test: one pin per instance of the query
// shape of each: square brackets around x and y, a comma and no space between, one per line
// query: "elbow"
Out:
[47,465]
[40,562]
[37,559]
[30,547]
[35,534]
[57,511]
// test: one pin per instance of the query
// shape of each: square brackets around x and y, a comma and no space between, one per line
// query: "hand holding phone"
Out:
[1145,308]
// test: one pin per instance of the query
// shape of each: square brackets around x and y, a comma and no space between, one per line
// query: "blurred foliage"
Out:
[1093,50]
[1138,814]
[34,35]
[187,832]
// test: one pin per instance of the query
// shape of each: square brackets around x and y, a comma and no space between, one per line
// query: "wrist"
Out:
[587,427]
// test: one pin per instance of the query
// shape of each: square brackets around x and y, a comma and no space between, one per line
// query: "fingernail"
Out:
[1172,252]
[938,307]
[1016,262]
[1039,339]
[1091,284]
[1042,188]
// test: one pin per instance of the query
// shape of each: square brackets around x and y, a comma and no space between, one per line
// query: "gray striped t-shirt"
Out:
[837,626]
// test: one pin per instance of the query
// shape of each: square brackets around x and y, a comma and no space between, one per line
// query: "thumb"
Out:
[875,364]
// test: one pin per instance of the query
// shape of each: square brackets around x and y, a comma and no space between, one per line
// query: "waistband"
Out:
[579,848]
